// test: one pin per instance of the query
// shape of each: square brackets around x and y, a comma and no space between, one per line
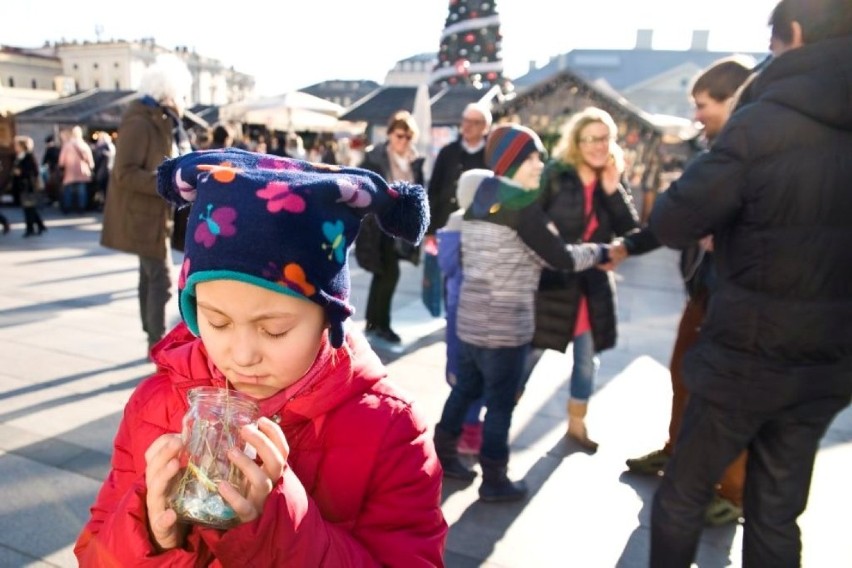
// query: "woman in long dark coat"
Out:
[582,194]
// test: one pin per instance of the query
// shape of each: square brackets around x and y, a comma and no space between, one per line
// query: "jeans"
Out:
[72,192]
[155,290]
[585,367]
[782,447]
[583,372]
[492,373]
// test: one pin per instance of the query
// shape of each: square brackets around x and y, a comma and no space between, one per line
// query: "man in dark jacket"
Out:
[773,364]
[463,154]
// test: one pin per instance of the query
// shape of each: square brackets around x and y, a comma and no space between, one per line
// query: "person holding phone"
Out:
[582,193]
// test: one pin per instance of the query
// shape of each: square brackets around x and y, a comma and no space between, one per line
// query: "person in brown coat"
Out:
[136,219]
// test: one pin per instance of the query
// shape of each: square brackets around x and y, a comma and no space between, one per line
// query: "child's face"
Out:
[528,174]
[263,341]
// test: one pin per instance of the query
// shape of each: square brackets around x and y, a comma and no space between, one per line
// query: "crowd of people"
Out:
[341,468]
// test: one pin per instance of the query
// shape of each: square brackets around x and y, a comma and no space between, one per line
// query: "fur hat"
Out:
[507,147]
[281,224]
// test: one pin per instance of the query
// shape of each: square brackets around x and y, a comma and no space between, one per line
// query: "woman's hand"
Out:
[162,465]
[272,452]
[610,176]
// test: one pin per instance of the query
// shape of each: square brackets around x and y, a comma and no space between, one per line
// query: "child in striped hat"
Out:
[506,240]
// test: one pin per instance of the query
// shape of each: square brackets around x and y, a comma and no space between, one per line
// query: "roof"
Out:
[27,52]
[379,105]
[449,106]
[610,101]
[94,108]
[622,68]
[209,113]
[446,109]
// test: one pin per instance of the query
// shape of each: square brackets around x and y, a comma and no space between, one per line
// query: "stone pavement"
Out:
[71,351]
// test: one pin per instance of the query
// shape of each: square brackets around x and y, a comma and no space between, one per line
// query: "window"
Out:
[75,67]
[97,84]
[95,65]
[11,81]
[118,85]
[34,84]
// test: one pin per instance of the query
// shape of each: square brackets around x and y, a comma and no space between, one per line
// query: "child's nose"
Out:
[244,348]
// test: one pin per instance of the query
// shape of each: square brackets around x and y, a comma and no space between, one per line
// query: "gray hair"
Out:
[482,109]
[167,78]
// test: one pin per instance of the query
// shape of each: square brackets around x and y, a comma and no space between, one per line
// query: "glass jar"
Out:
[211,427]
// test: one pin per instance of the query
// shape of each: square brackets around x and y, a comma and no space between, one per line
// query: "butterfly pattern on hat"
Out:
[336,244]
[287,222]
[280,197]
[218,222]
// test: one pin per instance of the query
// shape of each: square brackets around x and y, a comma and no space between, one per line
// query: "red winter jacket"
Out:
[363,487]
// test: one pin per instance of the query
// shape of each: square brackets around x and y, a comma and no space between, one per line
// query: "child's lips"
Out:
[249,379]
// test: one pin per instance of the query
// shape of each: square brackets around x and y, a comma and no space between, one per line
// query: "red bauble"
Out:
[470,38]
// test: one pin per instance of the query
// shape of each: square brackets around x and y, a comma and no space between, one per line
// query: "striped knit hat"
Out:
[508,146]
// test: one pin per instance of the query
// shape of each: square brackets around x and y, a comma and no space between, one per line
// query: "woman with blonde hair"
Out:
[582,193]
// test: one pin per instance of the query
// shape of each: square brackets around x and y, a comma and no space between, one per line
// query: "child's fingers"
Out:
[271,456]
[245,509]
[273,432]
[163,449]
[161,466]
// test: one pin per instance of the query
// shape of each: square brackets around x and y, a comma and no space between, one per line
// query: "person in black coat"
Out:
[465,153]
[773,363]
[25,180]
[395,160]
[583,195]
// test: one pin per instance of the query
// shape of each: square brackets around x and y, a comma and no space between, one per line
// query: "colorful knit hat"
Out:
[281,224]
[507,147]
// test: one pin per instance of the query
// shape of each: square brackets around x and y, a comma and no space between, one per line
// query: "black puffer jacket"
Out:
[775,190]
[558,296]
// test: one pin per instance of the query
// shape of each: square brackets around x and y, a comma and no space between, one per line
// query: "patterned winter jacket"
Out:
[506,240]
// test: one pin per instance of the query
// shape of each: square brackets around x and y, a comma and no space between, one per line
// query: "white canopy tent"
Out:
[292,112]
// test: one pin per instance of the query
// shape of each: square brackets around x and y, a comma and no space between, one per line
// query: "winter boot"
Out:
[448,455]
[577,425]
[496,486]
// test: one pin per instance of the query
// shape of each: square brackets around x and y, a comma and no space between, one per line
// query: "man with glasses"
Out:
[465,153]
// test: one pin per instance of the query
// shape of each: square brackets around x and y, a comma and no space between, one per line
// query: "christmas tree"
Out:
[470,46]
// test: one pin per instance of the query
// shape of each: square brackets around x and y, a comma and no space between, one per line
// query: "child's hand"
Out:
[272,451]
[162,465]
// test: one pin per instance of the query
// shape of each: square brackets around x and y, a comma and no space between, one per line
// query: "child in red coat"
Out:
[345,471]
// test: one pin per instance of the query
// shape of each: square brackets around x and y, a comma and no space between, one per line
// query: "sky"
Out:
[288,45]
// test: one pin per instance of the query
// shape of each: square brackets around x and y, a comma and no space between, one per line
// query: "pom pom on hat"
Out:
[281,224]
[508,145]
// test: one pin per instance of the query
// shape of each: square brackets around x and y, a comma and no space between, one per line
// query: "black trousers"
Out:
[382,286]
[782,446]
[33,221]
